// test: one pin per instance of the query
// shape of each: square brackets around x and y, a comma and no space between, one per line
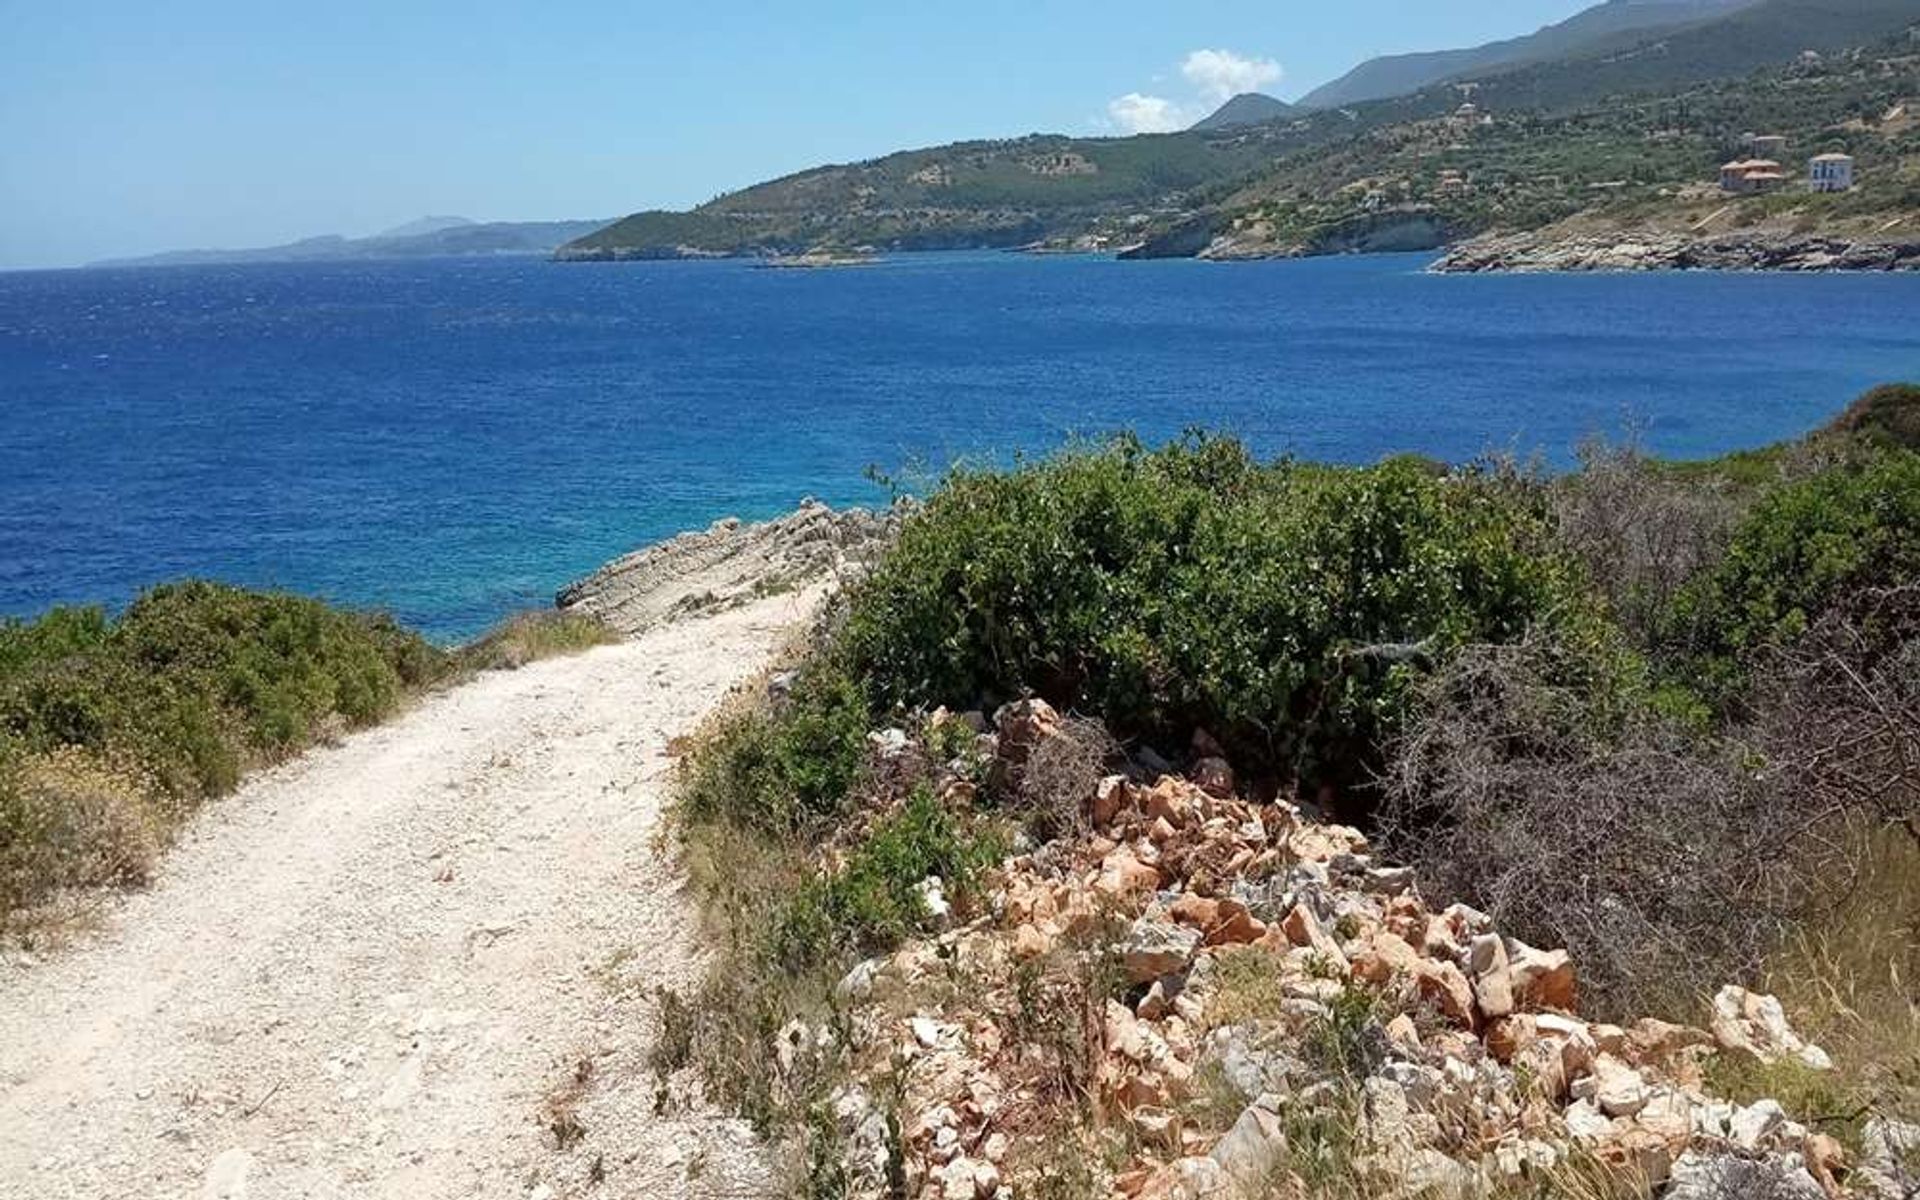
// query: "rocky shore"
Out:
[1533,253]
[726,565]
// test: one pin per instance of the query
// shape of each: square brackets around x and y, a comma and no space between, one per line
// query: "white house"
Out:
[1831,173]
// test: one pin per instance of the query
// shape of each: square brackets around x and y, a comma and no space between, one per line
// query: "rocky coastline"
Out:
[1538,253]
[728,564]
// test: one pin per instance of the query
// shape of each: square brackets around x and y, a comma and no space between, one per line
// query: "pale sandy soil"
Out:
[367,973]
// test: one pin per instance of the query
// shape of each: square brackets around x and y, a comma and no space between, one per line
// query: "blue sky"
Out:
[132,127]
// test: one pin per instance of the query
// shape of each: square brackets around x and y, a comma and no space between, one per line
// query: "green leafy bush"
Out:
[781,772]
[1285,607]
[1803,547]
[1889,415]
[111,730]
[875,900]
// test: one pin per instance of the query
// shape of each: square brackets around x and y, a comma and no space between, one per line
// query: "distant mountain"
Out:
[1248,108]
[424,226]
[436,237]
[1751,38]
[1593,30]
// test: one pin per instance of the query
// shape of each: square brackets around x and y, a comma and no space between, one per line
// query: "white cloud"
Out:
[1135,113]
[1222,74]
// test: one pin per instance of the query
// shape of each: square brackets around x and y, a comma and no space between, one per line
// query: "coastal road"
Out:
[384,969]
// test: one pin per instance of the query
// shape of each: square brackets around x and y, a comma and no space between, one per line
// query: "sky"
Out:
[133,127]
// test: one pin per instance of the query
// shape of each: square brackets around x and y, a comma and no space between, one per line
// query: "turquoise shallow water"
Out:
[454,440]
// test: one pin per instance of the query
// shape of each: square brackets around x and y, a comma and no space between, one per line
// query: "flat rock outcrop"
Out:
[729,563]
[1533,253]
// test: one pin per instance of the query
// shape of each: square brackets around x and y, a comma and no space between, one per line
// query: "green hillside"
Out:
[1002,193]
[1649,115]
[1632,155]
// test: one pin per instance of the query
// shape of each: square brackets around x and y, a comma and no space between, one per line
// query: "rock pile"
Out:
[1544,252]
[729,563]
[1228,987]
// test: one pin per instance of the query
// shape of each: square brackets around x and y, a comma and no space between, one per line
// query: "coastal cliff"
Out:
[1532,253]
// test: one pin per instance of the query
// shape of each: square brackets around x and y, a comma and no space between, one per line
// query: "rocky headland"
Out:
[1539,252]
[728,564]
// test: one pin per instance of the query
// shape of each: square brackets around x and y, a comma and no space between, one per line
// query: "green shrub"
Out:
[782,772]
[532,636]
[1802,548]
[111,730]
[1284,607]
[874,901]
[1888,415]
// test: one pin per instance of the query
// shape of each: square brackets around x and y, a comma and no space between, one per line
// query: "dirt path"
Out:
[370,972]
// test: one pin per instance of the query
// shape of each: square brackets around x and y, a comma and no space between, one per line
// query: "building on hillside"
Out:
[1765,145]
[1747,176]
[1831,173]
[1452,183]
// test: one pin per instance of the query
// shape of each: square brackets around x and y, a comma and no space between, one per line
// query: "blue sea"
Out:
[453,440]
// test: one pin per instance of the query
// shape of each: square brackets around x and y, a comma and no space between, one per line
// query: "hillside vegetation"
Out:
[1580,118]
[113,730]
[1116,937]
[1636,158]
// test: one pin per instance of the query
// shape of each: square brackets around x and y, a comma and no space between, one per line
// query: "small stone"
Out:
[1756,1024]
[1442,984]
[1541,979]
[1249,1149]
[1492,985]
[1030,943]
[1618,1089]
[1111,797]
[1214,777]
[933,897]
[226,1177]
[1756,1123]
[1158,947]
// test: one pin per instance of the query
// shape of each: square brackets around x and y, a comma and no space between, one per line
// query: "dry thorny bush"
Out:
[1838,713]
[1061,774]
[1666,860]
[1656,860]
[1642,531]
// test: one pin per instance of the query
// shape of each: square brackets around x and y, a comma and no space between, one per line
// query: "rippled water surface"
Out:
[453,440]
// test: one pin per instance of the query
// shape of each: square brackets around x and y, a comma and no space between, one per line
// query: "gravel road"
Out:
[377,970]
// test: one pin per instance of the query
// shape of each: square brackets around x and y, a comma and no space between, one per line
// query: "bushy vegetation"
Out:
[1803,547]
[531,636]
[1284,607]
[114,729]
[1665,715]
[111,730]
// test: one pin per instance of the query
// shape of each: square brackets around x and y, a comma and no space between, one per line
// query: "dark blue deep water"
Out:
[453,440]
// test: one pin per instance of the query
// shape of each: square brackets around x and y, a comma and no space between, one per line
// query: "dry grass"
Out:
[531,637]
[1850,981]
